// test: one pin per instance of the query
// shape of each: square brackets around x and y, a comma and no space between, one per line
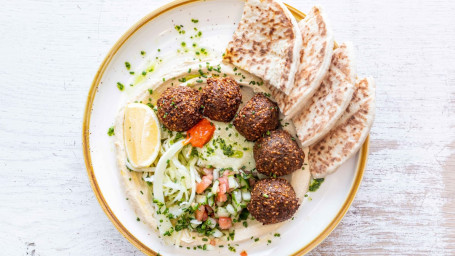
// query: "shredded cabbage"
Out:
[174,183]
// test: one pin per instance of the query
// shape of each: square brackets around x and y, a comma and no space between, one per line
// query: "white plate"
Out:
[217,20]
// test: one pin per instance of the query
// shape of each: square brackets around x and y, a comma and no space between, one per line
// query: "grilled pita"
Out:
[330,101]
[349,133]
[315,59]
[267,43]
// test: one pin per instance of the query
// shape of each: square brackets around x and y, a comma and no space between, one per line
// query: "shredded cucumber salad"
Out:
[191,196]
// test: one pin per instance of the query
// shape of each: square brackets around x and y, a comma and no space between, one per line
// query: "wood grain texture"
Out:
[50,51]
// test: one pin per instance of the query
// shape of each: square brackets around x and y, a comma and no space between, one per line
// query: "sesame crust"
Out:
[273,200]
[221,99]
[179,108]
[277,154]
[259,115]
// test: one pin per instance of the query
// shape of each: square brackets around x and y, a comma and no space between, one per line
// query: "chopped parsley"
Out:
[227,149]
[194,20]
[179,29]
[111,132]
[315,184]
[194,152]
[178,136]
[127,65]
[120,86]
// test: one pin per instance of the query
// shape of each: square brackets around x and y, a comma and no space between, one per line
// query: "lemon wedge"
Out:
[142,135]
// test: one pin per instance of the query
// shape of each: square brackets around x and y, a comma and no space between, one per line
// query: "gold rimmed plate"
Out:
[154,43]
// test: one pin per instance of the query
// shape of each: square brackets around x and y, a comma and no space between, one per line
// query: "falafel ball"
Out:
[179,108]
[259,115]
[277,154]
[221,99]
[273,200]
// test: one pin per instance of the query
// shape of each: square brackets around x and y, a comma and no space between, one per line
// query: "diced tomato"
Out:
[204,184]
[225,181]
[201,133]
[205,216]
[213,242]
[225,222]
[222,189]
[200,213]
[243,253]
[221,197]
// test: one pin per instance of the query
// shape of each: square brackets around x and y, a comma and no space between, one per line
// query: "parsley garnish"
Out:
[120,86]
[111,132]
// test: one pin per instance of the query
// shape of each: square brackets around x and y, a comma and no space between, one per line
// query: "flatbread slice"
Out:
[315,59]
[350,132]
[330,101]
[267,43]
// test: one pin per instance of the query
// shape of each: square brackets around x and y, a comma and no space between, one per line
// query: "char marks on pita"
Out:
[330,100]
[267,43]
[315,59]
[342,142]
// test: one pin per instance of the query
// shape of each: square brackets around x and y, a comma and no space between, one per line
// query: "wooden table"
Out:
[50,51]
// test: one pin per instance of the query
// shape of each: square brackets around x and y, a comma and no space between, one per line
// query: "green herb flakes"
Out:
[111,132]
[120,86]
[315,184]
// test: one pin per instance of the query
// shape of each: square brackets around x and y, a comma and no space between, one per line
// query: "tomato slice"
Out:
[201,133]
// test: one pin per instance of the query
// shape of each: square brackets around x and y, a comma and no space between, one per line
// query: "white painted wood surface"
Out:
[50,51]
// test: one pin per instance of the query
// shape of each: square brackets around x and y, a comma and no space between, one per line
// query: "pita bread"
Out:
[349,133]
[330,101]
[267,43]
[315,59]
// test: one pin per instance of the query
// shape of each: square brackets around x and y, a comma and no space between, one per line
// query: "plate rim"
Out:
[361,163]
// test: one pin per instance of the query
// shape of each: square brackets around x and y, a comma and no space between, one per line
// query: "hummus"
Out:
[195,75]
